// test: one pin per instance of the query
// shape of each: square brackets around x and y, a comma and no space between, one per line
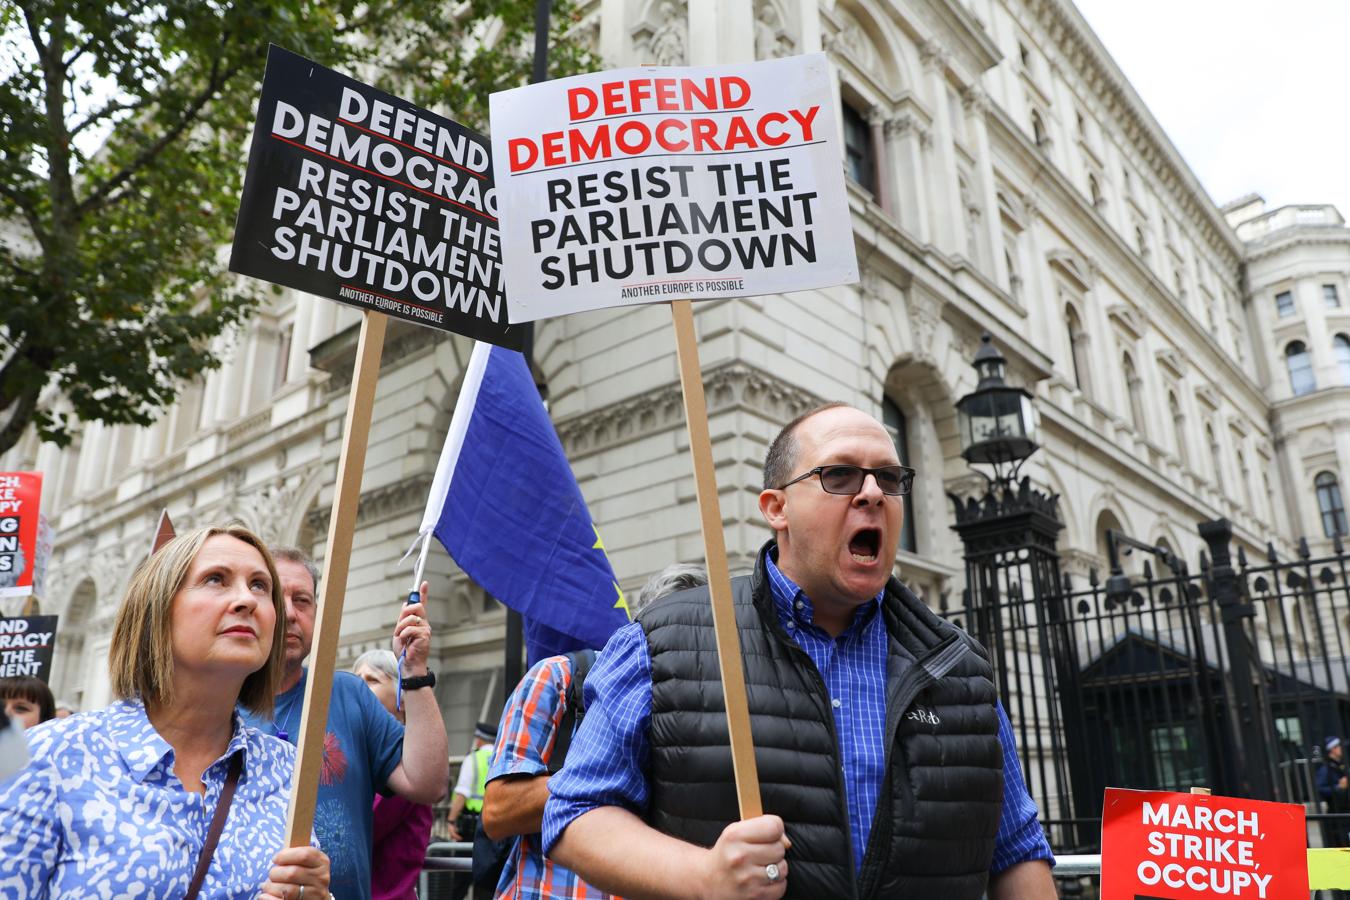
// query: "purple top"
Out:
[401,834]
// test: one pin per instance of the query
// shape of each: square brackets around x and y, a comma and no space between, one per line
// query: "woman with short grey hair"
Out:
[401,829]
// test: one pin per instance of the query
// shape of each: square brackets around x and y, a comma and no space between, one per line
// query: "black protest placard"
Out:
[364,198]
[26,644]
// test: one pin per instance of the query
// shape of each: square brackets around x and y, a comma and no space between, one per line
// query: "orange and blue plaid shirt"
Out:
[525,742]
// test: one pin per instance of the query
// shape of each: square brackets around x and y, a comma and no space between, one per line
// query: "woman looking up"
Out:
[122,801]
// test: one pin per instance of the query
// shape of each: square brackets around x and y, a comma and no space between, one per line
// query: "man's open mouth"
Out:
[864,545]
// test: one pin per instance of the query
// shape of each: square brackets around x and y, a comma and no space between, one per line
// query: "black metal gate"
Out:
[1230,676]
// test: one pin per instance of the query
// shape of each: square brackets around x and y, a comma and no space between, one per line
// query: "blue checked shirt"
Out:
[101,813]
[607,762]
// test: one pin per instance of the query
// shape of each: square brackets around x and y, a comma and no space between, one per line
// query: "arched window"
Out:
[1341,343]
[1299,361]
[1216,454]
[1037,129]
[1014,276]
[1246,474]
[1140,241]
[896,423]
[1178,428]
[1078,347]
[1135,386]
[1330,504]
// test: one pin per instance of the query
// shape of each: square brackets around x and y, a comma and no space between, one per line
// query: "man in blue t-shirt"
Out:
[365,748]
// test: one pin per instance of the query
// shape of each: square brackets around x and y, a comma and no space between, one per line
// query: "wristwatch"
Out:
[419,681]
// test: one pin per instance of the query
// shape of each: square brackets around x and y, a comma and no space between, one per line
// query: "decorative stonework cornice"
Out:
[730,386]
[337,355]
[1173,361]
[976,101]
[1298,236]
[906,123]
[408,495]
[934,55]
[1089,59]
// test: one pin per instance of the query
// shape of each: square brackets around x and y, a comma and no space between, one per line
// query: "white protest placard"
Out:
[659,183]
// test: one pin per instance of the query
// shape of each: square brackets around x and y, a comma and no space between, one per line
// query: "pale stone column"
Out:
[49,464]
[172,420]
[323,316]
[808,14]
[69,467]
[948,231]
[721,33]
[907,138]
[210,380]
[298,362]
[977,108]
[1299,496]
[116,453]
[149,443]
[1155,400]
[1308,296]
[1104,360]
[219,408]
[250,377]
[881,159]
[92,450]
[1038,292]
[615,46]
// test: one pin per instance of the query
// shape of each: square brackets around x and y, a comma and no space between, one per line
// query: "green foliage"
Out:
[112,279]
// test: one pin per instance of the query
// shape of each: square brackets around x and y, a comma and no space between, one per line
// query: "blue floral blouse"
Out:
[100,813]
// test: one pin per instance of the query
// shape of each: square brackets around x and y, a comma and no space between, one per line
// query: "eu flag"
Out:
[507,508]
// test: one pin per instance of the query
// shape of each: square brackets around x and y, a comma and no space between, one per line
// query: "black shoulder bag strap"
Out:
[217,826]
[581,662]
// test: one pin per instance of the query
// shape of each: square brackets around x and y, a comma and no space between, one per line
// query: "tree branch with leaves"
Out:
[121,159]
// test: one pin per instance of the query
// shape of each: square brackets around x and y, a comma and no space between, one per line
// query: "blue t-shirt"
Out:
[362,745]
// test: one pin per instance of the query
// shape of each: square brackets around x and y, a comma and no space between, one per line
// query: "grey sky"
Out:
[1253,94]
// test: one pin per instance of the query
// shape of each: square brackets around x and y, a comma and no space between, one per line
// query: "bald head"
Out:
[781,460]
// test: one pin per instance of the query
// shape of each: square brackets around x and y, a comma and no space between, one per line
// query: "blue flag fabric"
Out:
[506,506]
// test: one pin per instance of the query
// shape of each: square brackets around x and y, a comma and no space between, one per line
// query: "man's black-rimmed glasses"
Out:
[847,479]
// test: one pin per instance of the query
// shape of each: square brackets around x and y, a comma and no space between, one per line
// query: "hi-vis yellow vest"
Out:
[482,758]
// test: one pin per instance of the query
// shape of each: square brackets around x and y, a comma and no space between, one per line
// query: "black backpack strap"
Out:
[580,662]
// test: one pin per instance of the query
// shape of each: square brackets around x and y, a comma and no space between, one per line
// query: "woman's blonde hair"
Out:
[141,656]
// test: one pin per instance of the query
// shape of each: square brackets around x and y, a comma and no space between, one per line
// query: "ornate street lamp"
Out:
[998,423]
[1010,536]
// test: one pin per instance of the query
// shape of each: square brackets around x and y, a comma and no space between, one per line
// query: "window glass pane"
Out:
[1301,380]
[1178,762]
[1329,294]
[1330,505]
[858,146]
[1284,303]
[1341,343]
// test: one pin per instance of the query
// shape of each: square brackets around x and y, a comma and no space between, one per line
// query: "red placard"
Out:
[20,497]
[1159,845]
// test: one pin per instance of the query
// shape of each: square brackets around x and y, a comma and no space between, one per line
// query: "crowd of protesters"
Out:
[607,774]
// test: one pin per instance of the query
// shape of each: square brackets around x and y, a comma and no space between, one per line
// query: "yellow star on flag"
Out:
[622,602]
[599,544]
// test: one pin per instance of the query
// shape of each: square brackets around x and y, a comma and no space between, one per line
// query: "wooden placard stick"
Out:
[719,578]
[341,524]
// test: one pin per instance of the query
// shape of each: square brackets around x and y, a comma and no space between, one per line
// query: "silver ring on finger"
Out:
[772,873]
[301,895]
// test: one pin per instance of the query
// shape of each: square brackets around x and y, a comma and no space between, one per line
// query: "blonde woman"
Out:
[124,801]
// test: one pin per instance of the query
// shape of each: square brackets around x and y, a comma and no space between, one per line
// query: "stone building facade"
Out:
[1003,175]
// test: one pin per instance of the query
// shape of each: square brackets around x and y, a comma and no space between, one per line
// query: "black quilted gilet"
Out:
[938,812]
